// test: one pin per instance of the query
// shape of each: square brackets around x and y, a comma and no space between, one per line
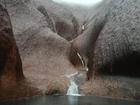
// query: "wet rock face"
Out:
[10,62]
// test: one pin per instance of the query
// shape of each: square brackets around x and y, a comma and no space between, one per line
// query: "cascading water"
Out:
[73,89]
[77,79]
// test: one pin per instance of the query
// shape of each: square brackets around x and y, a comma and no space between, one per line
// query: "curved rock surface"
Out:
[10,62]
[43,52]
[110,44]
[112,38]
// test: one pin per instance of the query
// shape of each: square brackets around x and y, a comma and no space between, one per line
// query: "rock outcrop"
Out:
[111,41]
[64,22]
[110,45]
[10,62]
[43,51]
[118,46]
[13,84]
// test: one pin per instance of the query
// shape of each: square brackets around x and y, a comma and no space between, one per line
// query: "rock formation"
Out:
[10,62]
[46,34]
[112,46]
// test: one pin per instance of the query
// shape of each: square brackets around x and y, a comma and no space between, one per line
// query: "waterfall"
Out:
[77,78]
[73,89]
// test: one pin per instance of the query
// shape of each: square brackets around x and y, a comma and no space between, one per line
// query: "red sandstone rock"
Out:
[10,62]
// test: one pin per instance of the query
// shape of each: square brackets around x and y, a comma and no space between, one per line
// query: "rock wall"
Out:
[10,62]
[115,48]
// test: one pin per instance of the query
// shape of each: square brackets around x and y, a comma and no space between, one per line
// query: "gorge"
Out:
[62,49]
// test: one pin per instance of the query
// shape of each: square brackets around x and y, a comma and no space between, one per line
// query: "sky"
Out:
[80,2]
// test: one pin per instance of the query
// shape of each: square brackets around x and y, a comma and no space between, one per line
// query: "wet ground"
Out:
[70,100]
